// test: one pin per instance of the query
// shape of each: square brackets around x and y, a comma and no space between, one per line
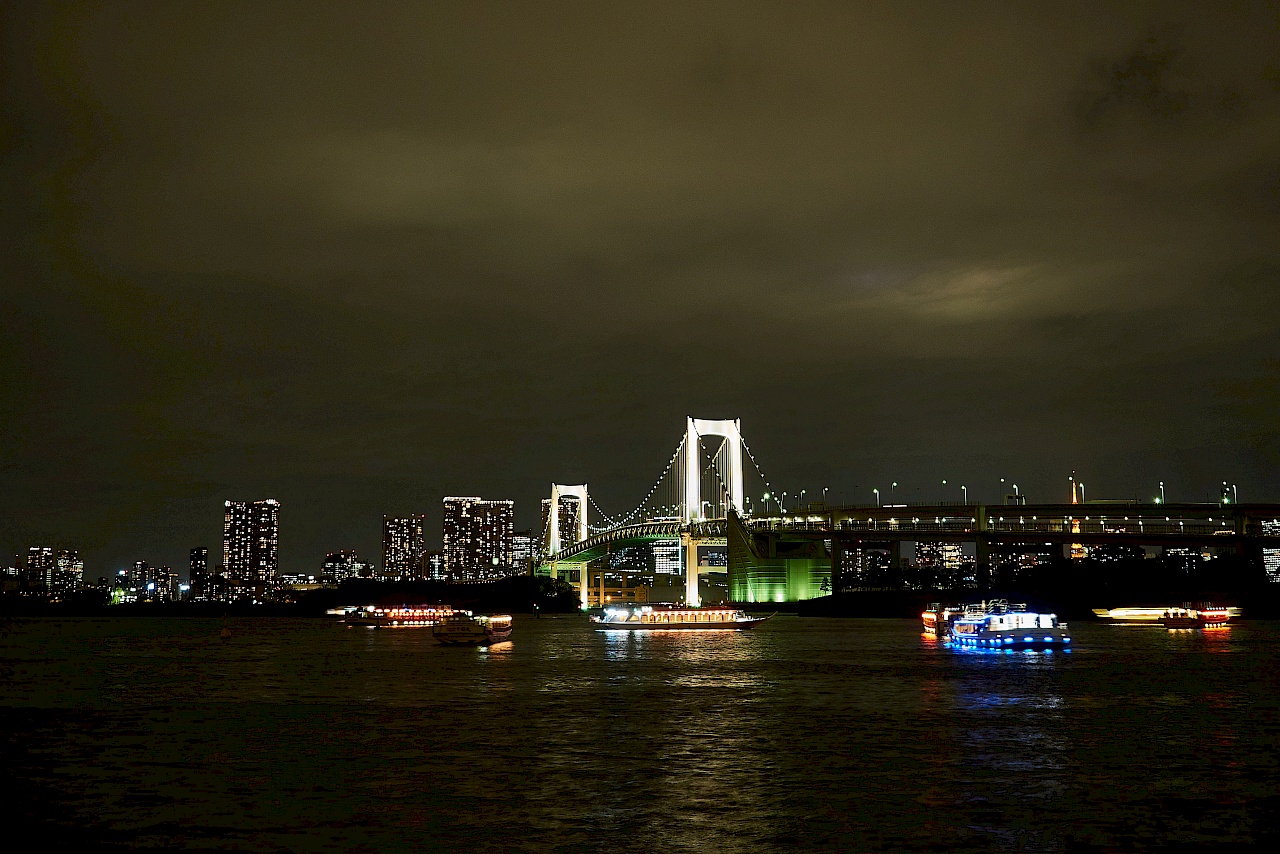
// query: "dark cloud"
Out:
[356,256]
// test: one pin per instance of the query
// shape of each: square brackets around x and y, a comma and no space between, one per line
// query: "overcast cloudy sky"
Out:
[357,256]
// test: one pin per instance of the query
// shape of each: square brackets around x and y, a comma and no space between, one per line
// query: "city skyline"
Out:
[426,544]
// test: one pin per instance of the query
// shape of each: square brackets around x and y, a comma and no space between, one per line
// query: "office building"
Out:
[1271,557]
[41,563]
[68,573]
[402,547]
[478,538]
[344,564]
[944,558]
[250,544]
[433,566]
[522,551]
[198,571]
[666,557]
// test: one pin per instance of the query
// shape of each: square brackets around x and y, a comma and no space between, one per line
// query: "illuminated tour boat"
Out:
[376,616]
[646,618]
[937,618]
[462,628]
[1171,616]
[998,625]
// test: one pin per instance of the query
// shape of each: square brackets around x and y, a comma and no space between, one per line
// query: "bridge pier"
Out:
[689,547]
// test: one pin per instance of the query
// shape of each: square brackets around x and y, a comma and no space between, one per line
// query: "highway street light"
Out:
[965,489]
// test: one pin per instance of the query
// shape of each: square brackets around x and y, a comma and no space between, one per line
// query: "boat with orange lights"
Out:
[1185,616]
[937,618]
[646,618]
[1206,617]
[377,616]
[462,628]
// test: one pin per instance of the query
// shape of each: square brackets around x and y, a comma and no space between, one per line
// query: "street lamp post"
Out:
[891,488]
[824,495]
[877,492]
[965,490]
[802,497]
[1235,496]
[1162,492]
[782,505]
[944,489]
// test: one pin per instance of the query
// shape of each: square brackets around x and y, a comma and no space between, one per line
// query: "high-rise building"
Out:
[340,565]
[250,545]
[939,556]
[402,546]
[478,538]
[522,548]
[666,557]
[199,571]
[1271,557]
[68,573]
[41,565]
[433,566]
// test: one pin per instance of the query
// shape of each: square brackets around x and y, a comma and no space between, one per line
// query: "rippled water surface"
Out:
[807,734]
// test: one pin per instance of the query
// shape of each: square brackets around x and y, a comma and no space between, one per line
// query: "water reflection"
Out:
[1012,744]
[805,734]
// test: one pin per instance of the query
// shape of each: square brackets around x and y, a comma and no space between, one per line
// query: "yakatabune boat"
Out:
[1203,616]
[647,618]
[999,625]
[407,615]
[937,618]
[462,628]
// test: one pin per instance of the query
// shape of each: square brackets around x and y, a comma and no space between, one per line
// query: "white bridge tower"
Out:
[557,491]
[731,430]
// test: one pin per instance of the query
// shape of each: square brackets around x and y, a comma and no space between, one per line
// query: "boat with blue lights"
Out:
[646,618]
[997,625]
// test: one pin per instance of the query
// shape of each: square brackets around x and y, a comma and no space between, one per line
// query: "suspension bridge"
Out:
[703,483]
[705,493]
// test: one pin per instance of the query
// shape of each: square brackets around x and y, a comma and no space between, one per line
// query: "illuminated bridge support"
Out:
[771,567]
[558,567]
[559,490]
[731,430]
[689,548]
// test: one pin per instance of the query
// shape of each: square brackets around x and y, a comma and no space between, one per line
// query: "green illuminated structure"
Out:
[764,568]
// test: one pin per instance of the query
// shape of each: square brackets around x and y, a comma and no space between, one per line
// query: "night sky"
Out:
[358,256]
